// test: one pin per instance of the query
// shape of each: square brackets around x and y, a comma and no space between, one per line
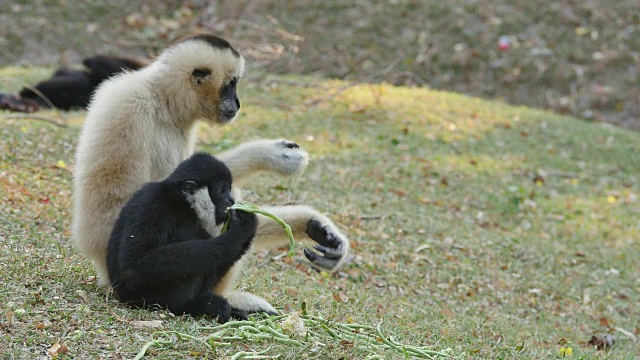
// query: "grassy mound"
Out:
[493,230]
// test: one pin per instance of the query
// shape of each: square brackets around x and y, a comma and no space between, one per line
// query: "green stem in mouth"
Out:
[252,208]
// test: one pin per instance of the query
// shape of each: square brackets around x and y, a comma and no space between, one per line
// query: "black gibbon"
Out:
[69,88]
[141,125]
[166,248]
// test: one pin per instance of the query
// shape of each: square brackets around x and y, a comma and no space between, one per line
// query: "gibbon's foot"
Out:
[331,246]
[249,303]
[208,304]
[239,314]
[294,159]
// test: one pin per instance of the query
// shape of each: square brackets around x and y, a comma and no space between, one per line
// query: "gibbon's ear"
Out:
[200,74]
[189,186]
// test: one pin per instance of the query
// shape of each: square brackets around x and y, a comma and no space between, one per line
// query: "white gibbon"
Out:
[140,126]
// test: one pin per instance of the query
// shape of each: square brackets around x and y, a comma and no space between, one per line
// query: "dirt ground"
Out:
[573,57]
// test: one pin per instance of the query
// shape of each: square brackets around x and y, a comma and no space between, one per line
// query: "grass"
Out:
[493,230]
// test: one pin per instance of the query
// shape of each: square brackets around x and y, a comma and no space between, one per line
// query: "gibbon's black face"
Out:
[201,197]
[229,101]
[205,184]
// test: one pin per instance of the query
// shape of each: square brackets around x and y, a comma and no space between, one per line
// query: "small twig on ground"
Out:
[562,174]
[33,117]
[629,334]
[41,95]
[373,217]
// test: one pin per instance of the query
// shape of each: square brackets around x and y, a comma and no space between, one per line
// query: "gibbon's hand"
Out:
[242,225]
[332,247]
[293,160]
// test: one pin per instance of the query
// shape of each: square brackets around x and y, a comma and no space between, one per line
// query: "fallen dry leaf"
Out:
[340,296]
[292,292]
[43,324]
[57,348]
[10,315]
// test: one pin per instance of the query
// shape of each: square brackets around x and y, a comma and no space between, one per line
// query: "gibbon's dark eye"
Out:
[233,82]
[189,186]
[200,73]
[223,190]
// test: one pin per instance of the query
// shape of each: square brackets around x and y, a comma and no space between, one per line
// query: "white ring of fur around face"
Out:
[201,203]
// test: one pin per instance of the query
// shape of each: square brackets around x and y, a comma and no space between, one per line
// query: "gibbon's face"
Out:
[218,96]
[202,197]
[205,183]
[208,70]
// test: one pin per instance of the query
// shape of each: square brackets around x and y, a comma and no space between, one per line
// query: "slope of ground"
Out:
[494,230]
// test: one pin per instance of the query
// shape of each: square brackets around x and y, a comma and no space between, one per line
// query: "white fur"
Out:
[201,203]
[248,301]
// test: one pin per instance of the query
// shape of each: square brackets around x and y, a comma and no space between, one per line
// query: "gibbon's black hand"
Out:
[243,224]
[290,144]
[239,314]
[330,246]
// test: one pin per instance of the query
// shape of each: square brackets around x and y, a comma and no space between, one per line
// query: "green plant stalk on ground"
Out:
[317,331]
[252,208]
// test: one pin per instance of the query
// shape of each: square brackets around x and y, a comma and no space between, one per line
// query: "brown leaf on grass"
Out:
[57,349]
[340,297]
[10,316]
[292,292]
[359,232]
[147,324]
[347,344]
[602,342]
[398,192]
[605,322]
[43,324]
[622,296]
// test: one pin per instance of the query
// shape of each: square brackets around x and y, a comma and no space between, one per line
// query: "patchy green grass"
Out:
[497,231]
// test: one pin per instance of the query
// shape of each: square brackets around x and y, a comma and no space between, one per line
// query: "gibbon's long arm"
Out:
[279,156]
[173,261]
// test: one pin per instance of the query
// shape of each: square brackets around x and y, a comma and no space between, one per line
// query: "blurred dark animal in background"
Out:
[69,88]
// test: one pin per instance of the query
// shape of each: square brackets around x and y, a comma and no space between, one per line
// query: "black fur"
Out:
[228,91]
[160,253]
[213,41]
[68,89]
